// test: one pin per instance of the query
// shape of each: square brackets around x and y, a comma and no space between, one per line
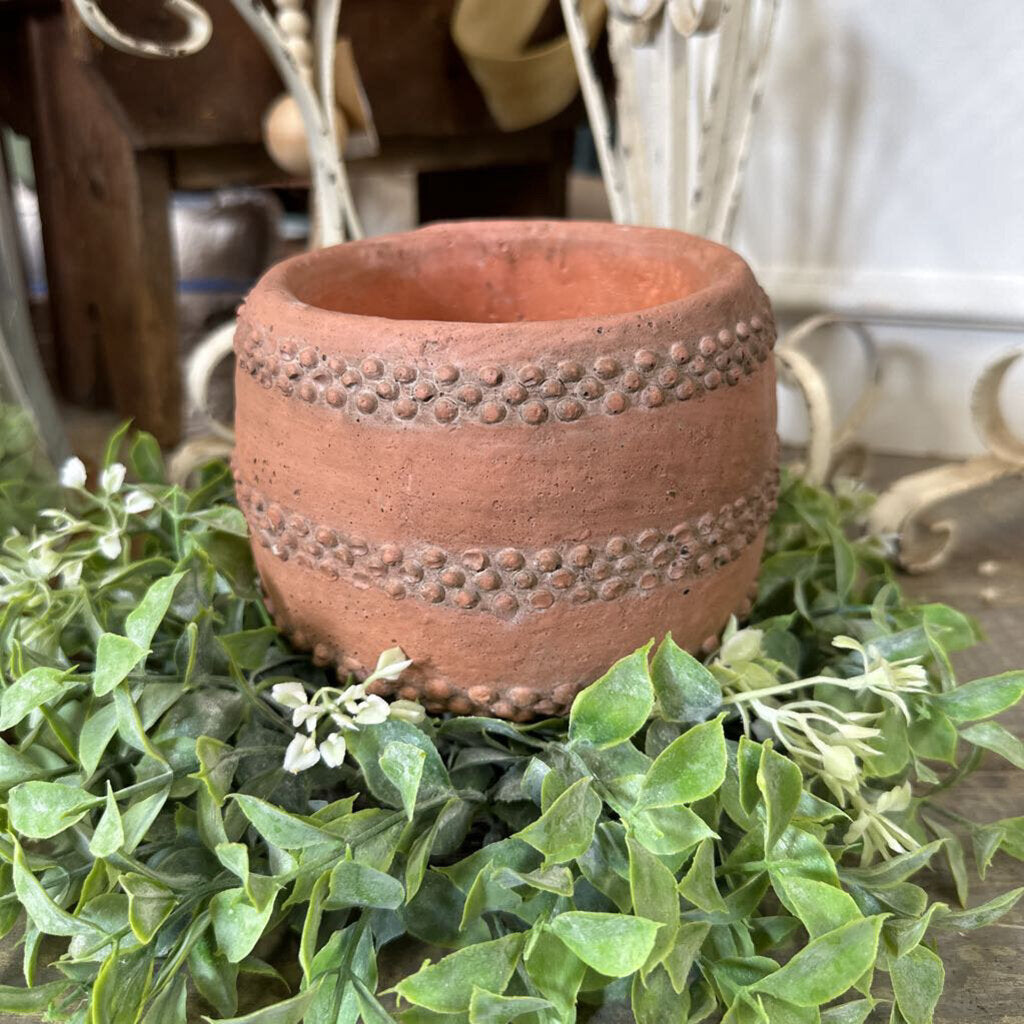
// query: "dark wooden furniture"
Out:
[113,135]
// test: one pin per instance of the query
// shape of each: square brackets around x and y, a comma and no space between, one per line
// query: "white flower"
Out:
[112,478]
[343,721]
[840,763]
[301,754]
[138,502]
[373,711]
[72,473]
[332,750]
[407,711]
[896,799]
[744,645]
[306,715]
[289,695]
[390,665]
[71,574]
[110,545]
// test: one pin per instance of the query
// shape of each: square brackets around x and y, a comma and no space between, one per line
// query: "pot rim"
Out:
[729,277]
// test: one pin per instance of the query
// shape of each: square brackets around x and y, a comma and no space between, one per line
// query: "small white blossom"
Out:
[110,545]
[390,665]
[373,711]
[306,715]
[407,711]
[112,478]
[138,502]
[302,753]
[289,695]
[332,750]
[840,763]
[744,645]
[72,473]
[71,574]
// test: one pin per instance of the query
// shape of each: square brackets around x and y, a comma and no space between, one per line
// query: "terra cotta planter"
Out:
[518,450]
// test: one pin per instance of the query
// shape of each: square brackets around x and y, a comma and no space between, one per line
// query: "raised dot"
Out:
[733,375]
[525,580]
[432,592]
[644,359]
[330,569]
[522,696]
[446,374]
[600,570]
[307,391]
[390,554]
[632,381]
[505,604]
[534,412]
[366,402]
[615,402]
[434,557]
[354,547]
[570,371]
[722,361]
[488,580]
[581,556]
[437,688]
[452,577]
[652,396]
[606,367]
[742,330]
[662,555]
[542,599]
[568,410]
[756,323]
[460,705]
[298,525]
[679,352]
[492,412]
[562,579]
[408,693]
[336,365]
[685,389]
[404,373]
[361,580]
[445,410]
[480,694]
[668,376]
[648,539]
[503,709]
[308,357]
[424,391]
[707,345]
[581,595]
[547,560]
[475,559]
[491,376]
[467,598]
[552,388]
[326,537]
[612,589]
[276,515]
[351,378]
[705,563]
[321,654]
[564,693]
[698,364]
[387,389]
[616,547]
[405,408]
[469,394]
[412,571]
[335,396]
[515,394]
[649,581]
[725,339]
[627,564]
[372,368]
[531,374]
[509,558]
[677,570]
[590,388]
[284,387]
[286,348]
[712,379]
[394,589]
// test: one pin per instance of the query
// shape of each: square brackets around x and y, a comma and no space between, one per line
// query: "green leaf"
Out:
[47,916]
[845,562]
[992,736]
[109,834]
[615,945]
[982,698]
[447,986]
[654,1000]
[611,710]
[28,692]
[141,625]
[555,973]
[954,852]
[982,915]
[278,827]
[402,763]
[827,966]
[566,829]
[15,767]
[39,810]
[97,732]
[698,884]
[820,906]
[170,1006]
[289,1011]
[120,988]
[855,1012]
[116,656]
[688,769]
[370,1009]
[897,869]
[237,924]
[357,885]
[489,1008]
[780,782]
[368,745]
[652,887]
[669,830]
[31,1001]
[917,980]
[685,689]
[934,737]
[248,648]
[149,904]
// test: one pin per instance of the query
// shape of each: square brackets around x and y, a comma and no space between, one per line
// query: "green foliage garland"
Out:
[659,848]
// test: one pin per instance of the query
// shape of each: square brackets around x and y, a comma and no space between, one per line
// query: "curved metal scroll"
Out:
[198,29]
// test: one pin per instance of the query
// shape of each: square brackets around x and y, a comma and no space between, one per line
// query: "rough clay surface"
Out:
[518,450]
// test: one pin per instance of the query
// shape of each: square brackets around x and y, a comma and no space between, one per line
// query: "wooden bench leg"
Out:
[105,216]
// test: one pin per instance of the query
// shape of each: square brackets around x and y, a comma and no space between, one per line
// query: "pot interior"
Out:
[506,272]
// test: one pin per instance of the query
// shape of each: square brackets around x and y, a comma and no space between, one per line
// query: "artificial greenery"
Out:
[734,838]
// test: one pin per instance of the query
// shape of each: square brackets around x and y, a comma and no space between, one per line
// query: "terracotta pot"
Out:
[518,450]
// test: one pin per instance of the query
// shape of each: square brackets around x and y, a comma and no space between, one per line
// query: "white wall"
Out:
[887,177]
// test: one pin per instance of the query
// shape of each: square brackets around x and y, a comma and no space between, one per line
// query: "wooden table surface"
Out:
[984,969]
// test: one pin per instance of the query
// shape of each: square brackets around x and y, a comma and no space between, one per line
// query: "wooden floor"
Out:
[984,578]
